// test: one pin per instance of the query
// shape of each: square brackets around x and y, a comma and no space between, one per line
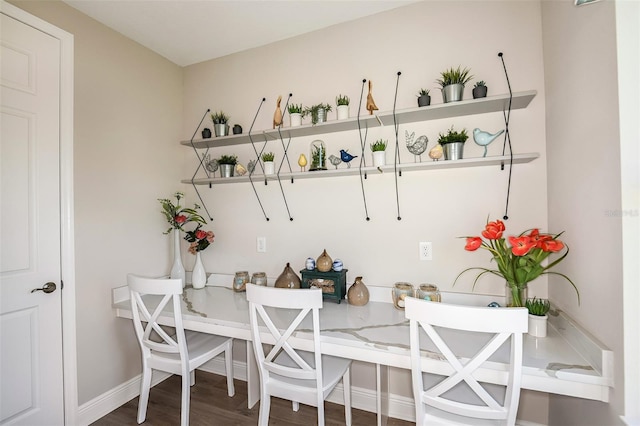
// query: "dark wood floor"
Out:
[210,405]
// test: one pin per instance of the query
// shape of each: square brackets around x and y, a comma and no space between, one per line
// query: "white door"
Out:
[31,390]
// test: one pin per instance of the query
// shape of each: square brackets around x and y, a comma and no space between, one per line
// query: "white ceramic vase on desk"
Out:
[199,275]
[177,270]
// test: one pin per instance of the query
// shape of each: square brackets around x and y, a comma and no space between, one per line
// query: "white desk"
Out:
[378,333]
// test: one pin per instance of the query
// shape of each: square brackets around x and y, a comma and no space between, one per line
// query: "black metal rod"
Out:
[362,157]
[507,138]
[257,158]
[396,159]
[200,164]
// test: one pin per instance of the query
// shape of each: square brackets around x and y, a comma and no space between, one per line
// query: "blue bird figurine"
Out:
[483,138]
[346,157]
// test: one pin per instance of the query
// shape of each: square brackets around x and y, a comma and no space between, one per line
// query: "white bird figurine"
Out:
[436,152]
[417,147]
[483,138]
[335,160]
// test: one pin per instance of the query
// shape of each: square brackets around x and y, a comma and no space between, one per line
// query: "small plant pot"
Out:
[226,170]
[379,158]
[221,129]
[479,92]
[342,112]
[295,119]
[322,115]
[452,93]
[237,129]
[206,133]
[269,168]
[424,100]
[453,151]
[538,325]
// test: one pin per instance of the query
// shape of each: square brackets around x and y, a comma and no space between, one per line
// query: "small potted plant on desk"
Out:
[227,164]
[453,143]
[538,309]
[269,166]
[220,123]
[452,83]
[423,98]
[479,90]
[378,152]
[318,113]
[342,109]
[295,114]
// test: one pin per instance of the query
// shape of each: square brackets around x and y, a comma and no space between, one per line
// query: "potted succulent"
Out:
[220,123]
[378,152]
[538,309]
[480,90]
[423,98]
[342,109]
[452,83]
[453,143]
[269,165]
[295,114]
[227,164]
[318,113]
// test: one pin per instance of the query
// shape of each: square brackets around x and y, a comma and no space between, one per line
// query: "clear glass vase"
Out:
[516,295]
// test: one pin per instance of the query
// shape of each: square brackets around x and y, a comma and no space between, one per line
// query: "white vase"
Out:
[199,275]
[177,270]
[379,158]
[342,111]
[295,119]
[538,325]
[269,167]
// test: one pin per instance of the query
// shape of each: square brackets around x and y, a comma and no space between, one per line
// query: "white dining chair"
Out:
[177,353]
[276,315]
[456,395]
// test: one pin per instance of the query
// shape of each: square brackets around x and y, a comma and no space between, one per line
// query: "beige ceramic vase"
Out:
[324,262]
[288,279]
[358,294]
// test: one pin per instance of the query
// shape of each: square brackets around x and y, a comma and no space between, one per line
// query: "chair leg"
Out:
[192,377]
[295,405]
[228,359]
[265,407]
[186,389]
[346,384]
[145,386]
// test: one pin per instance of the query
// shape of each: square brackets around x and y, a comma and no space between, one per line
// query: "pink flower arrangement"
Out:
[199,239]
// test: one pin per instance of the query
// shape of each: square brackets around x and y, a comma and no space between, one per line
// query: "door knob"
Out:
[47,288]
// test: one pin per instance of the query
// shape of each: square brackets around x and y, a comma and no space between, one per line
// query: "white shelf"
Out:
[432,112]
[353,170]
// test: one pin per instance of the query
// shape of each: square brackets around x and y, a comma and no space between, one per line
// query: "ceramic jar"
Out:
[358,293]
[324,262]
[288,279]
[310,264]
[399,292]
[259,278]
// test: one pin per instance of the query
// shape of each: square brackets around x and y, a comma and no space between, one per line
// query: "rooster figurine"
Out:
[418,147]
[483,138]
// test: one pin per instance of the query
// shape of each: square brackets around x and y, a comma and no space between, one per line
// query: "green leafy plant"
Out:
[423,92]
[178,216]
[454,76]
[480,83]
[228,159]
[379,145]
[219,117]
[268,156]
[313,111]
[295,109]
[538,307]
[318,158]
[342,100]
[452,136]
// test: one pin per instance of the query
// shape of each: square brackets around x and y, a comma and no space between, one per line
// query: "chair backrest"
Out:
[503,323]
[146,313]
[281,325]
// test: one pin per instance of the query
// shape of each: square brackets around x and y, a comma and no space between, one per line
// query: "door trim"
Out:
[67,248]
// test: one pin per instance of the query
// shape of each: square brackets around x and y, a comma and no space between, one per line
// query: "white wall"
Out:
[584,189]
[438,206]
[128,105]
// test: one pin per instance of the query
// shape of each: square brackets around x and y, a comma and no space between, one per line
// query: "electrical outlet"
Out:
[426,250]
[261,245]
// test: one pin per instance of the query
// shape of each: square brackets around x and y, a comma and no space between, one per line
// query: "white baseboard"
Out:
[400,407]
